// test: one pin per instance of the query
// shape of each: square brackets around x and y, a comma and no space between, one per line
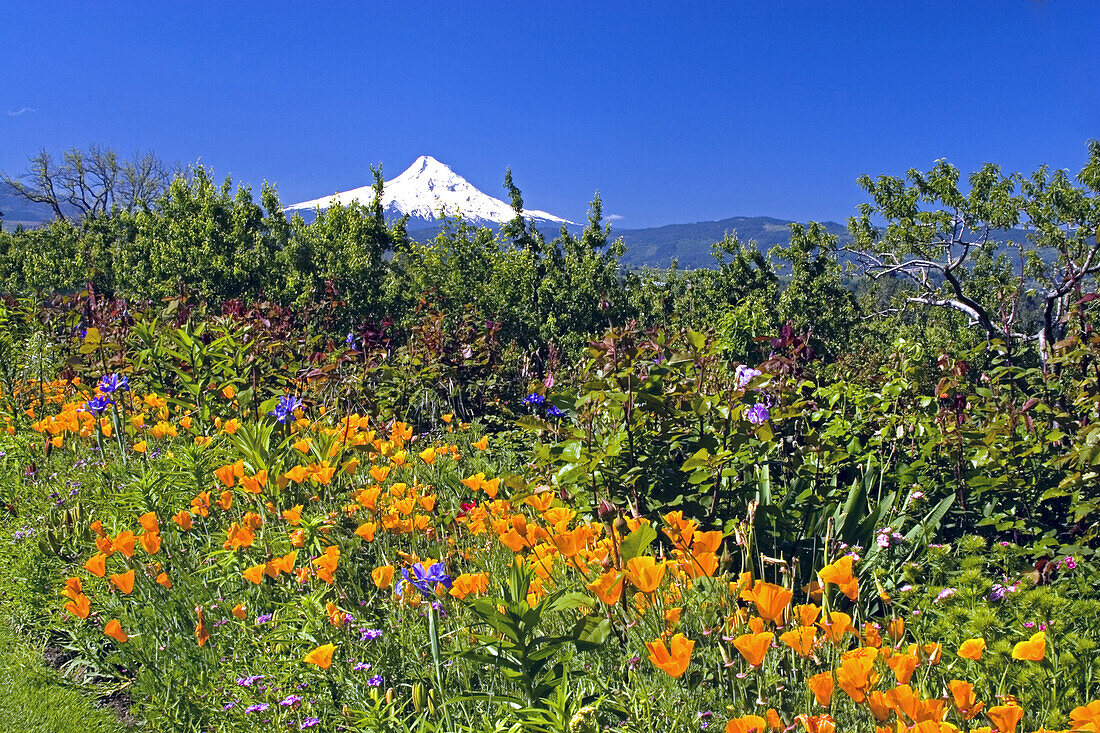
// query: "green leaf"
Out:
[637,542]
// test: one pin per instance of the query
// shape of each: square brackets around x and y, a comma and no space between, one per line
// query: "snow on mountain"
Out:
[427,190]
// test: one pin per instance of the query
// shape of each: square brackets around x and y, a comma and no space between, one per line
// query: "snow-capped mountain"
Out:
[427,190]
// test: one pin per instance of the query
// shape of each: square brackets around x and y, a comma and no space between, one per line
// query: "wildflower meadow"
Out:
[430,494]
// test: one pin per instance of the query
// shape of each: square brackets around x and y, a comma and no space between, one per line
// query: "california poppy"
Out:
[802,639]
[747,724]
[821,685]
[840,574]
[124,581]
[482,443]
[148,522]
[965,699]
[293,516]
[124,543]
[754,647]
[114,630]
[150,542]
[675,659]
[1032,650]
[97,565]
[903,666]
[1005,717]
[164,580]
[382,576]
[608,587]
[183,519]
[771,601]
[645,573]
[254,574]
[856,673]
[972,648]
[321,656]
[226,475]
[201,635]
[79,606]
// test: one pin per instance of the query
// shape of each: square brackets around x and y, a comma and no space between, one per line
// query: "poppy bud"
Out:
[605,509]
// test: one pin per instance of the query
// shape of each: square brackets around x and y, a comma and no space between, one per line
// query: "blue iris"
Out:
[425,579]
[98,405]
[114,382]
[284,411]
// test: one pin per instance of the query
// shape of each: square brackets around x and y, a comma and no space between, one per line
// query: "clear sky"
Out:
[675,111]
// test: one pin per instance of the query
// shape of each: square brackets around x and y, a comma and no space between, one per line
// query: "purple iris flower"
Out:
[534,399]
[553,411]
[98,405]
[113,382]
[284,411]
[425,579]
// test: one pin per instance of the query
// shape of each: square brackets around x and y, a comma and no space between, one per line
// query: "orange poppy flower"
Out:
[675,659]
[97,527]
[148,522]
[254,484]
[226,475]
[896,628]
[1086,717]
[225,501]
[335,615]
[972,648]
[382,576]
[164,580]
[645,573]
[1032,650]
[807,613]
[903,666]
[754,647]
[572,542]
[747,724]
[201,635]
[124,543]
[183,519]
[321,656]
[822,685]
[326,563]
[482,443]
[771,601]
[79,606]
[298,474]
[73,587]
[840,574]
[124,581]
[97,565]
[871,635]
[856,674]
[150,542]
[802,640]
[293,516]
[608,587]
[1005,717]
[379,473]
[818,723]
[838,625]
[965,699]
[240,611]
[201,504]
[468,583]
[114,630]
[254,574]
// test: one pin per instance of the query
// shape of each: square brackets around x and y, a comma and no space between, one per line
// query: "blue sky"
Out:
[676,112]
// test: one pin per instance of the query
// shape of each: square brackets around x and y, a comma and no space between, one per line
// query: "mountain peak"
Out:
[427,190]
